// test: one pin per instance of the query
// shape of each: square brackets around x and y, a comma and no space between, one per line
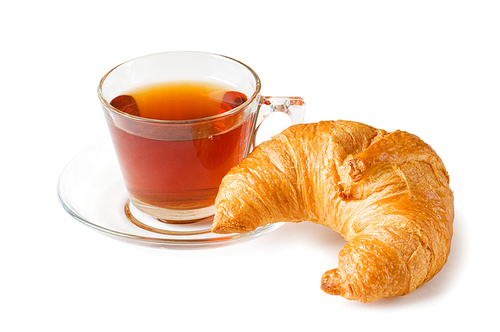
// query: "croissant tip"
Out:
[333,284]
[218,228]
[330,284]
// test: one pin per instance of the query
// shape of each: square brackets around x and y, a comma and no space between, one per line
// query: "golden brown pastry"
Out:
[387,194]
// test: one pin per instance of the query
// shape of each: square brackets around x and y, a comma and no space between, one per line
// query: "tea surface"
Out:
[179,101]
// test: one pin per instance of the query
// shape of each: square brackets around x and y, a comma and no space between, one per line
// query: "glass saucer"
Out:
[91,190]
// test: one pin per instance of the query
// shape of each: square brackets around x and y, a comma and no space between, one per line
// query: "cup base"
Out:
[171,216]
[156,225]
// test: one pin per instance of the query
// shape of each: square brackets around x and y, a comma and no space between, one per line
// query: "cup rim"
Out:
[190,121]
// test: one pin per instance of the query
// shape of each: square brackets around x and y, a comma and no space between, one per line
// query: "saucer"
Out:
[92,191]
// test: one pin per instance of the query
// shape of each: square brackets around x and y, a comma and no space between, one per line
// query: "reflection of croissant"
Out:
[387,194]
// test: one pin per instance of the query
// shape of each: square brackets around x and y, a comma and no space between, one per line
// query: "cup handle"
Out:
[294,107]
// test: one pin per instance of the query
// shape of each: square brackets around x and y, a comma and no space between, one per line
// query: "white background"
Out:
[428,67]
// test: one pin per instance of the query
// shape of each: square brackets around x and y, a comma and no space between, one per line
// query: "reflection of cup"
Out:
[172,168]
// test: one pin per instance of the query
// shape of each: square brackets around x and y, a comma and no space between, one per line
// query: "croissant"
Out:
[387,194]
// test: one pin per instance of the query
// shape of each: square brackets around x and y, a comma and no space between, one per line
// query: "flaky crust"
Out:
[387,194]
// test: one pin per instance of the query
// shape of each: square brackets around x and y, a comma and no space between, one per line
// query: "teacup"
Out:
[179,121]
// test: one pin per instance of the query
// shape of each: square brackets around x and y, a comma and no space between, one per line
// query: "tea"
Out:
[180,174]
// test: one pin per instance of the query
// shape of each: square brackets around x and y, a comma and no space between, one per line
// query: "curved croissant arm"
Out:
[387,194]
